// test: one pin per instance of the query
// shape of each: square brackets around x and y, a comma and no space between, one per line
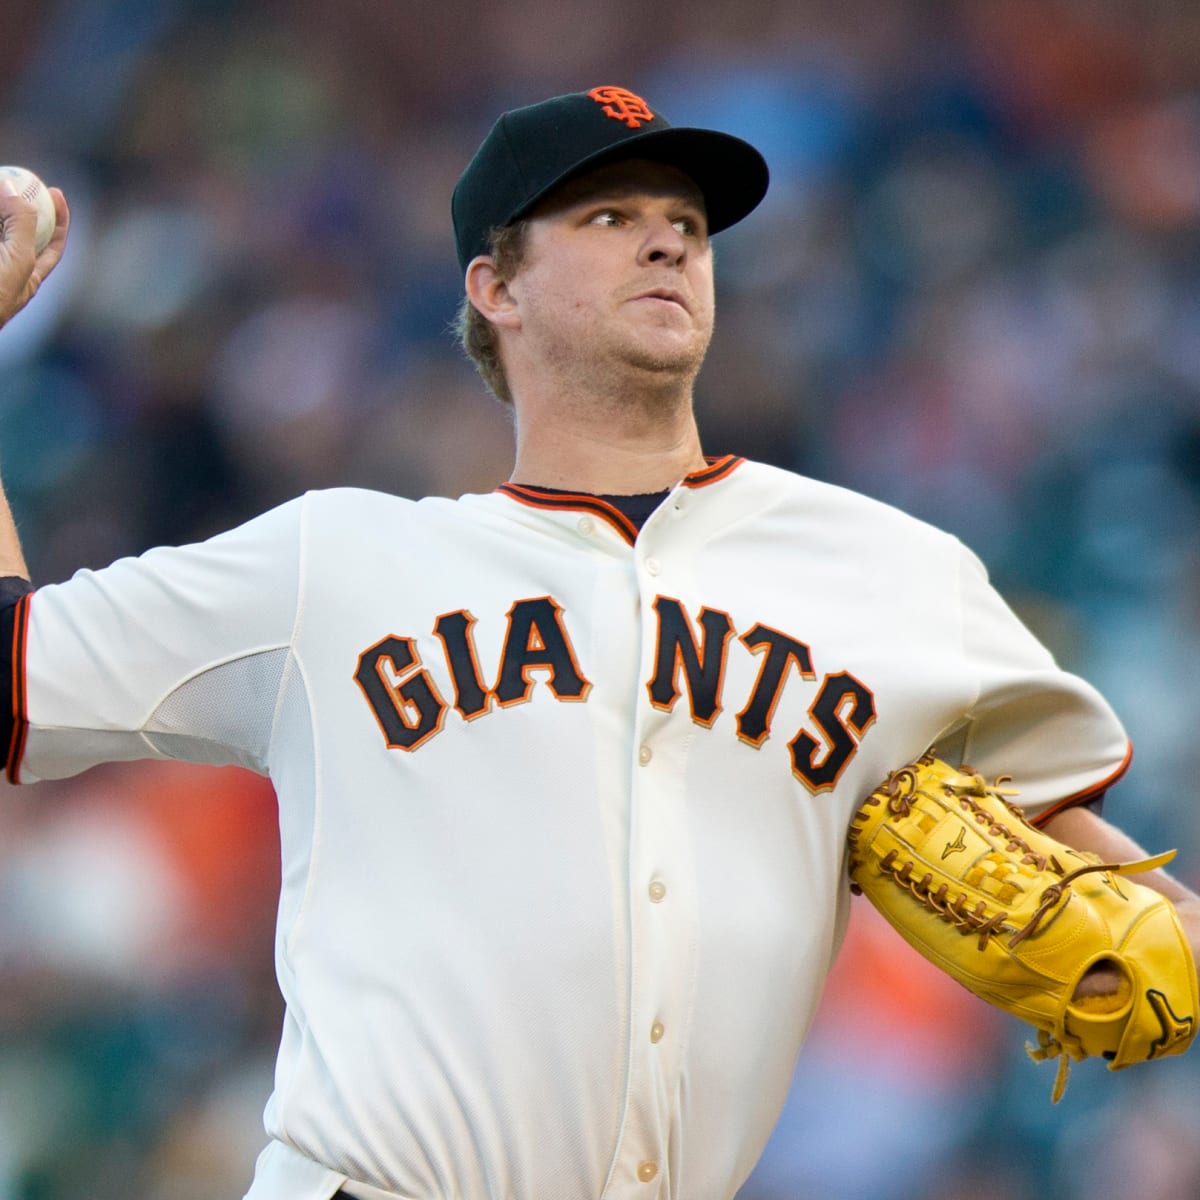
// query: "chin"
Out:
[664,373]
[667,345]
[673,357]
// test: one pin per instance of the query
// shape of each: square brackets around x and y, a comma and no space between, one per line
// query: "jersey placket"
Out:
[662,902]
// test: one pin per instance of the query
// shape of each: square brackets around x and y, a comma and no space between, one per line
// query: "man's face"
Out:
[617,275]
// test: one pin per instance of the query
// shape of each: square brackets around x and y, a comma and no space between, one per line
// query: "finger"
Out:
[22,272]
[18,219]
[1101,979]
[48,259]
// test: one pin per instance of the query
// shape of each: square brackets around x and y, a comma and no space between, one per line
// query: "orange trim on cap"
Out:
[20,716]
[1088,794]
[536,498]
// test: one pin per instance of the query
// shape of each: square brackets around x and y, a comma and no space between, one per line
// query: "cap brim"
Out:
[730,173]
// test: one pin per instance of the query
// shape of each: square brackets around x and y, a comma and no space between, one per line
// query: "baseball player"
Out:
[564,770]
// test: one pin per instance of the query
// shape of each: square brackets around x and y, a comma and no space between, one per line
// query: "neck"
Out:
[616,448]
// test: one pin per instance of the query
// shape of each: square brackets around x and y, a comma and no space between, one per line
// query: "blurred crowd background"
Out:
[974,292]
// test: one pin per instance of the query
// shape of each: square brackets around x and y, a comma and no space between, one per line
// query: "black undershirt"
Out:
[636,508]
[12,588]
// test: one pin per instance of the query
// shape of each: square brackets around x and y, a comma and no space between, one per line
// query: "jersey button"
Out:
[647,1171]
[653,566]
[586,526]
[656,1032]
[645,754]
[657,891]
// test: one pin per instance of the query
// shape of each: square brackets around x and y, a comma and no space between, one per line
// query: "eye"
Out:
[688,226]
[608,217]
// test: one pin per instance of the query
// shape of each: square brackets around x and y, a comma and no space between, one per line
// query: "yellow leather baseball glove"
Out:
[1019,918]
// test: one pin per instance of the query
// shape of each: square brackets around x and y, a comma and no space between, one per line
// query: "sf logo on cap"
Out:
[622,105]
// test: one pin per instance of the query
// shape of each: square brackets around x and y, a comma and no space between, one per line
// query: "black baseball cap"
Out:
[531,150]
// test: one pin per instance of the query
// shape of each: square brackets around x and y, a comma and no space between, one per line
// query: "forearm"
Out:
[1084,830]
[12,561]
[22,272]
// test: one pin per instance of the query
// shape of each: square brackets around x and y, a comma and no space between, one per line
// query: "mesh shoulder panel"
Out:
[224,716]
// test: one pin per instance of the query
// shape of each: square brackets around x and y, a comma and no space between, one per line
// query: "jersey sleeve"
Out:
[1050,730]
[179,653]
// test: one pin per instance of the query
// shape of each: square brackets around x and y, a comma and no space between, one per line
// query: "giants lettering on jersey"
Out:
[690,656]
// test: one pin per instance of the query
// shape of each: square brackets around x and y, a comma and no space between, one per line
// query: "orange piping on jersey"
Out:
[1088,793]
[717,469]
[536,498]
[16,745]
[523,493]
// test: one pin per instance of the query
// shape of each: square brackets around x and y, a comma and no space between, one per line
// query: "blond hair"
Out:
[476,334]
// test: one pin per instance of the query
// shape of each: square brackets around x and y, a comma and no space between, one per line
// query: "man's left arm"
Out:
[1082,829]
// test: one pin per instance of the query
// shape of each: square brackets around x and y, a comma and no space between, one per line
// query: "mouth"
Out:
[668,295]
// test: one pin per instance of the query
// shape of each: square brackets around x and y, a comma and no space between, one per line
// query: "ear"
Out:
[490,294]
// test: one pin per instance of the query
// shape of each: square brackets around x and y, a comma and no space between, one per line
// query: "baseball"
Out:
[34,190]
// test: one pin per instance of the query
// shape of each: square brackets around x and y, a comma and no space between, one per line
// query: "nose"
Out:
[663,244]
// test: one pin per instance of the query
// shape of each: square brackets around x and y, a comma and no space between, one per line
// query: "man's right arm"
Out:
[12,561]
[21,274]
[22,271]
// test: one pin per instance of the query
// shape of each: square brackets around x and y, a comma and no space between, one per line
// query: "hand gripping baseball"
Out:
[1019,918]
[22,268]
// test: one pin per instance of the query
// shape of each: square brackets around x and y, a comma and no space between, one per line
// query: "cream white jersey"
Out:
[562,804]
